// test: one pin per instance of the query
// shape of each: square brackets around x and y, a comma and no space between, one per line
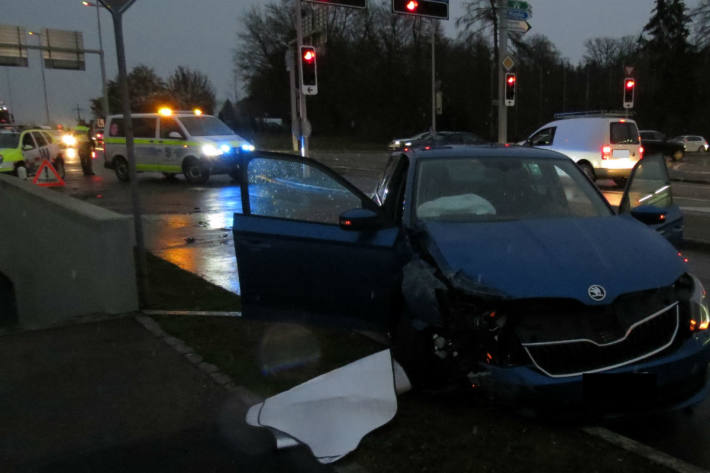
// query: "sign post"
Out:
[117,8]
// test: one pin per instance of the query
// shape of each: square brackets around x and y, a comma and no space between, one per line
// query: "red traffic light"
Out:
[412,5]
[511,79]
[309,55]
[630,83]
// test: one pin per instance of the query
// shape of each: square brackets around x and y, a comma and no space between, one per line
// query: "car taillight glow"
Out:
[606,152]
[641,150]
[412,5]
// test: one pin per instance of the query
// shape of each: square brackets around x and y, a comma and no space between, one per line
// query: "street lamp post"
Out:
[44,79]
[101,56]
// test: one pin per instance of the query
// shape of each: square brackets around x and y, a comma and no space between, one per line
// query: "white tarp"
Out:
[333,412]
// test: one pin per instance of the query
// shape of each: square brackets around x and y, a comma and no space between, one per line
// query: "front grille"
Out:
[573,357]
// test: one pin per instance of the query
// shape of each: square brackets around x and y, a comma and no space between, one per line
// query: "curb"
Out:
[642,450]
[190,355]
[204,313]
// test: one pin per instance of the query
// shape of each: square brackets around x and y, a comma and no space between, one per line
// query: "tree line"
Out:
[374,71]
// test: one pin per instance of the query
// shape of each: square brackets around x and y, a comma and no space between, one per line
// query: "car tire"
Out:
[195,172]
[701,149]
[120,167]
[236,175]
[413,349]
[588,170]
[677,155]
[21,172]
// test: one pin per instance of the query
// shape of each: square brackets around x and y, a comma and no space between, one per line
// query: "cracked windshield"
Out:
[354,236]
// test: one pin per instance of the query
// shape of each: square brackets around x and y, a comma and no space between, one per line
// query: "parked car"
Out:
[441,138]
[604,146]
[501,267]
[446,138]
[655,142]
[692,143]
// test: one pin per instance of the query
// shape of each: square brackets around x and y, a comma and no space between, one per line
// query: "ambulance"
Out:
[189,143]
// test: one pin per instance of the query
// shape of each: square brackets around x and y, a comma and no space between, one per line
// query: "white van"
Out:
[188,143]
[605,147]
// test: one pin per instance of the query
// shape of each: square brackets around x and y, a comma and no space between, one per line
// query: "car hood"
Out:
[555,258]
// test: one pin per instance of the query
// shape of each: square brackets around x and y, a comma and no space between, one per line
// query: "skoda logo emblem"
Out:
[596,292]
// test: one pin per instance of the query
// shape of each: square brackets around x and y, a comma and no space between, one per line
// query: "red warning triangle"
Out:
[47,176]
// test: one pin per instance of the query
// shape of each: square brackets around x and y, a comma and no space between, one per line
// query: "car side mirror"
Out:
[649,214]
[359,220]
[175,135]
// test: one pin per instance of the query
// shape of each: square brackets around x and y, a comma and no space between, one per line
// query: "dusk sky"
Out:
[202,35]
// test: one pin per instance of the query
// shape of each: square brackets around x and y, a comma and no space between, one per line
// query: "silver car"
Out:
[692,143]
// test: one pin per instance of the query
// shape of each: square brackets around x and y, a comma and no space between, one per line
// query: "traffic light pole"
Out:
[433,77]
[502,53]
[303,112]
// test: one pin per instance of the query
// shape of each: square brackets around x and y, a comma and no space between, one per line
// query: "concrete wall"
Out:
[65,258]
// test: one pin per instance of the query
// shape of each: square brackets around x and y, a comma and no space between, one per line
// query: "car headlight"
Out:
[69,140]
[211,150]
[408,143]
[248,147]
[699,313]
[397,142]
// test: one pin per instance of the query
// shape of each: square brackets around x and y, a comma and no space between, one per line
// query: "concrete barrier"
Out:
[64,258]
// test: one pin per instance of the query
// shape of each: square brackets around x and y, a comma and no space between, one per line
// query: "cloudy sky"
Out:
[202,34]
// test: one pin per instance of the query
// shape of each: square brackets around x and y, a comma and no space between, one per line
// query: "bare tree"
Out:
[701,19]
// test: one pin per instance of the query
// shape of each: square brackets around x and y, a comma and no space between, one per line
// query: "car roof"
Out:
[491,151]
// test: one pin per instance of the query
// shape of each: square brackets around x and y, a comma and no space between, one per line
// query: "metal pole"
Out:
[128,127]
[9,91]
[303,112]
[502,48]
[295,125]
[433,77]
[103,65]
[44,79]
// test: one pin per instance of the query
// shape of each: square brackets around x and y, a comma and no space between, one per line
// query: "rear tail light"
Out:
[93,155]
[606,152]
[641,151]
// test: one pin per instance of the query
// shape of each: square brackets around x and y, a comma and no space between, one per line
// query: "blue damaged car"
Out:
[502,267]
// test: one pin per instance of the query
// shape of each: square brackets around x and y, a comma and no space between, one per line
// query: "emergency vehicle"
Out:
[188,143]
[23,150]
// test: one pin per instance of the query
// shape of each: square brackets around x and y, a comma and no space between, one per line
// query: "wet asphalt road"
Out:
[191,226]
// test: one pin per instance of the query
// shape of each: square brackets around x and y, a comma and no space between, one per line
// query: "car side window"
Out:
[544,137]
[27,142]
[293,190]
[39,139]
[144,127]
[48,138]
[116,127]
[383,187]
[169,125]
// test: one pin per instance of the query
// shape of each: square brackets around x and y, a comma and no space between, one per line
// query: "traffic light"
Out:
[309,75]
[434,9]
[510,81]
[629,88]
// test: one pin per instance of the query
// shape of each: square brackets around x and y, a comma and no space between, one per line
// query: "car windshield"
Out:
[9,140]
[494,189]
[205,126]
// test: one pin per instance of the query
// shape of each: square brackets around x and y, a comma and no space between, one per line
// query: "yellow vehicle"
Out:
[22,151]
[188,143]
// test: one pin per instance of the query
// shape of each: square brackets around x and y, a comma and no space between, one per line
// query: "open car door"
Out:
[296,254]
[648,198]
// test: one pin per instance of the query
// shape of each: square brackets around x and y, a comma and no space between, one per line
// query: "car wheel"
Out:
[701,149]
[677,155]
[236,174]
[59,167]
[21,172]
[120,167]
[413,349]
[195,172]
[588,170]
[620,181]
